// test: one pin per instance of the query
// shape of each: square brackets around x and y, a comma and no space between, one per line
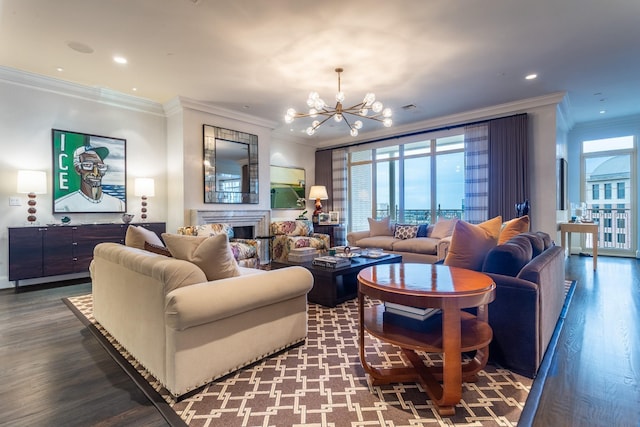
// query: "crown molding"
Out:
[180,102]
[74,90]
[452,120]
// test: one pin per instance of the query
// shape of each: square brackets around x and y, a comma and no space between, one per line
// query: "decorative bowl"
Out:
[127,217]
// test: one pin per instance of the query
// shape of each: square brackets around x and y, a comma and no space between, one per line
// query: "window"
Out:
[595,191]
[607,191]
[621,223]
[413,183]
[607,237]
[607,222]
[620,186]
[621,238]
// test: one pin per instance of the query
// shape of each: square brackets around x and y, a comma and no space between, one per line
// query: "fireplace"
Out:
[254,222]
[244,232]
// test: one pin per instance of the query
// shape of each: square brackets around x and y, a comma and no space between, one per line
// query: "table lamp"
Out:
[317,193]
[144,188]
[32,183]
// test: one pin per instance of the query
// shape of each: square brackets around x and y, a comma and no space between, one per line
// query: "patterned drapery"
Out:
[476,185]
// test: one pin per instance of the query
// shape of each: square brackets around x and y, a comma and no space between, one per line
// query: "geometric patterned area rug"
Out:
[322,383]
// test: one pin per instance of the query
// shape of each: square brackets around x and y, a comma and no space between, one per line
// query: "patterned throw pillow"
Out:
[405,231]
[215,229]
[156,249]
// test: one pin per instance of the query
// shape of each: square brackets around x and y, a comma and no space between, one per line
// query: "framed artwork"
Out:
[334,217]
[287,188]
[89,173]
[324,218]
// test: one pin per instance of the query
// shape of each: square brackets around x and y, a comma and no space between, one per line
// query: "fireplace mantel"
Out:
[260,220]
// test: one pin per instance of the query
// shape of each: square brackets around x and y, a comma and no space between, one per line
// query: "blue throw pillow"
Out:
[422,230]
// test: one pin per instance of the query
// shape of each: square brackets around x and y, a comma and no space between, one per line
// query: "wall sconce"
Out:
[32,183]
[317,193]
[144,188]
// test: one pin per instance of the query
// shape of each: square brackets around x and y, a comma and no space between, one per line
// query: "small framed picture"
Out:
[323,218]
[334,217]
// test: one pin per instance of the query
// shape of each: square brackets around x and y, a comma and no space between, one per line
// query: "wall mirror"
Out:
[287,186]
[230,166]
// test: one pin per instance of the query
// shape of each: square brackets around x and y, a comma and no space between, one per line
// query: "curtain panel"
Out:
[508,165]
[476,179]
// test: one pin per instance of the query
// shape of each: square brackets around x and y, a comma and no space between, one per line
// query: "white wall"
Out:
[27,115]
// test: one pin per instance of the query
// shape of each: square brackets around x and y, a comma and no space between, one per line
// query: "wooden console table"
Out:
[450,333]
[580,227]
[53,250]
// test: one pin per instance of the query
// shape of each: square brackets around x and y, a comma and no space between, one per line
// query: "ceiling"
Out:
[262,57]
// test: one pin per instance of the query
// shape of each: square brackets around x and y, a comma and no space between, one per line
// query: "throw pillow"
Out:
[212,254]
[513,227]
[443,228]
[161,250]
[405,231]
[423,230]
[136,236]
[379,228]
[470,243]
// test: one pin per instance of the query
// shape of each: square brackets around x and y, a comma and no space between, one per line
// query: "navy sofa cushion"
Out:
[509,258]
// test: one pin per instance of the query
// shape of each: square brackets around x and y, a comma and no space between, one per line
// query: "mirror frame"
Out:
[290,181]
[249,192]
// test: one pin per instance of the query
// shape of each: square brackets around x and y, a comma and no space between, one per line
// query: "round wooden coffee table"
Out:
[451,332]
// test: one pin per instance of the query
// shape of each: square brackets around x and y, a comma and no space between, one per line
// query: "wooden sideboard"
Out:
[42,251]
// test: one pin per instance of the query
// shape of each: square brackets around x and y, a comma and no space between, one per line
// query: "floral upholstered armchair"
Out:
[295,234]
[245,251]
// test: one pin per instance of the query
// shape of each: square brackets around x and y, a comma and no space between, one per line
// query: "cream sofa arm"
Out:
[443,247]
[207,302]
[354,236]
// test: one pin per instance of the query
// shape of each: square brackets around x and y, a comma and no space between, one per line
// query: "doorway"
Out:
[608,188]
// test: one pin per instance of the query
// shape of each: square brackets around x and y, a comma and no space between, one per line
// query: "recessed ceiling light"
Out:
[59,69]
[120,59]
[531,76]
[135,89]
[603,111]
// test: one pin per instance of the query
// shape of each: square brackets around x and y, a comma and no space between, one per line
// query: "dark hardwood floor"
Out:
[594,377]
[55,373]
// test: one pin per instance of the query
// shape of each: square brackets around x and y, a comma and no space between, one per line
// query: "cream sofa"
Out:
[187,331]
[430,247]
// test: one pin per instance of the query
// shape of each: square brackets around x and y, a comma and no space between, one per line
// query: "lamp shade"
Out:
[145,187]
[318,192]
[32,182]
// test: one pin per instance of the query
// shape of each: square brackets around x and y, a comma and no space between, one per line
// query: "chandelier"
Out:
[317,107]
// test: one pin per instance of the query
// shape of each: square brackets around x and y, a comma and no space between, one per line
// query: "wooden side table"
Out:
[580,227]
[451,333]
[327,229]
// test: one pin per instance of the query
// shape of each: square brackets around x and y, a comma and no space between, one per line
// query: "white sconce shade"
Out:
[32,182]
[145,187]
[318,192]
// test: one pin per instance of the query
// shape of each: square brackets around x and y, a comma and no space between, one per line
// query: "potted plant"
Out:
[302,204]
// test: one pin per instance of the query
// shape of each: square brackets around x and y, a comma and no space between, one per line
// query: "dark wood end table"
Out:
[451,333]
